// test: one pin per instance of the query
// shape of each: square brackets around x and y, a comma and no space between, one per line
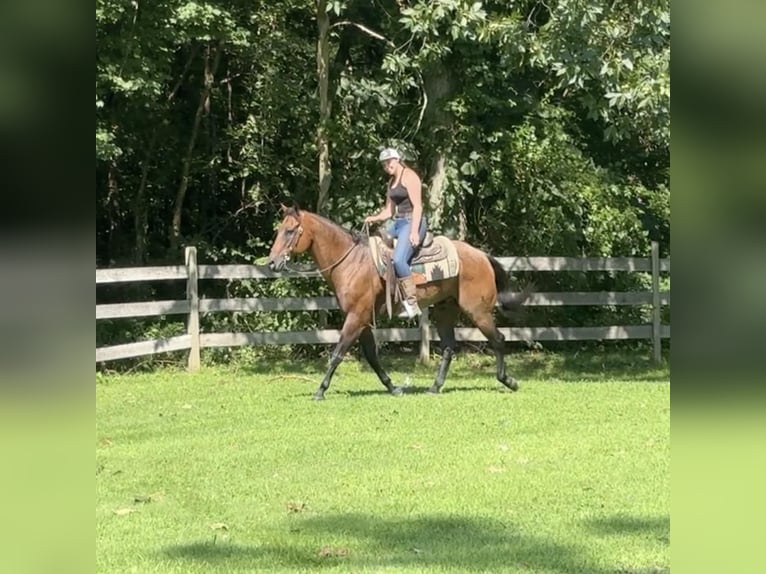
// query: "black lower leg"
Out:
[352,327]
[498,346]
[335,359]
[444,315]
[441,375]
[370,352]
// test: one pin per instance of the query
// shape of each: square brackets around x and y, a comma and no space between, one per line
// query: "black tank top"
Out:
[400,197]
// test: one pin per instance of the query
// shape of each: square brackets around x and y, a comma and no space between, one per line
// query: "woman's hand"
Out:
[371,219]
[414,237]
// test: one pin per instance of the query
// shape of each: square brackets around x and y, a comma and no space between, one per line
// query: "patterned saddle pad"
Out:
[437,261]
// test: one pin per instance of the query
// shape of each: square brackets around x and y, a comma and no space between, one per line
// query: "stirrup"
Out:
[409,311]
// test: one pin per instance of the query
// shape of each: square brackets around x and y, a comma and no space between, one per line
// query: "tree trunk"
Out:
[438,124]
[112,209]
[323,143]
[140,214]
[462,221]
[436,192]
[202,108]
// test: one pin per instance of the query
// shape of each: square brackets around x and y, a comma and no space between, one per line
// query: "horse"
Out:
[346,263]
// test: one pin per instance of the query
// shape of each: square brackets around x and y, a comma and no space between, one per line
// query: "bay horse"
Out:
[346,264]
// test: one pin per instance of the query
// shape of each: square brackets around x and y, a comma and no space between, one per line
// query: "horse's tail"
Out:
[509,301]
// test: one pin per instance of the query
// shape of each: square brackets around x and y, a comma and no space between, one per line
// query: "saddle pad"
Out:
[437,261]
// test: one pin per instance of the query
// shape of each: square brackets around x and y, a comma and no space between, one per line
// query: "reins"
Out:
[365,229]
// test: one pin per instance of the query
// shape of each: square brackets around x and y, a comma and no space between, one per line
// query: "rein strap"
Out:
[338,262]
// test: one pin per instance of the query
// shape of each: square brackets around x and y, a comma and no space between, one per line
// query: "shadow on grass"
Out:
[589,366]
[612,365]
[422,389]
[658,527]
[355,542]
[278,366]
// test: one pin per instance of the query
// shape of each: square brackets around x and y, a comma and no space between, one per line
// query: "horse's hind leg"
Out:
[486,324]
[370,351]
[445,315]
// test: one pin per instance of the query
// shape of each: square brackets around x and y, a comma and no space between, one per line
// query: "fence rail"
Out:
[168,272]
[193,305]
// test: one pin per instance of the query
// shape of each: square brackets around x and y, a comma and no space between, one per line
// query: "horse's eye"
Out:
[289,232]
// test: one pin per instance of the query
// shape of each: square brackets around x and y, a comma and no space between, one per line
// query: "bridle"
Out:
[294,242]
[298,232]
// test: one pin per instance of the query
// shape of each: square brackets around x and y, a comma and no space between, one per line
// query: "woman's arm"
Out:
[385,213]
[412,182]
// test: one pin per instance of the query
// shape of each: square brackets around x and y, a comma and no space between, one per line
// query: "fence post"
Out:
[656,308]
[192,295]
[425,337]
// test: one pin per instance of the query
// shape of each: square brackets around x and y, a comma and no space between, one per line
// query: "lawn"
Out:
[237,470]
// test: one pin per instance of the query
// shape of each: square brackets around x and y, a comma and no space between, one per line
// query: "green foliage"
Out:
[614,60]
[106,149]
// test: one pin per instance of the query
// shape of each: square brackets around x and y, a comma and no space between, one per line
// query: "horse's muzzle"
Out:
[277,263]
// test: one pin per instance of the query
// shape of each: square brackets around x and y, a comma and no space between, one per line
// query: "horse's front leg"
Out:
[370,351]
[352,327]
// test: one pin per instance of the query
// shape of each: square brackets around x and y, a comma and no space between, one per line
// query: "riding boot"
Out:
[410,302]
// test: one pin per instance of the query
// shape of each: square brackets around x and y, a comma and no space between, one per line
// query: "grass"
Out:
[236,470]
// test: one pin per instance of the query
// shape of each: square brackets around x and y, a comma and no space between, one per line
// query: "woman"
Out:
[404,204]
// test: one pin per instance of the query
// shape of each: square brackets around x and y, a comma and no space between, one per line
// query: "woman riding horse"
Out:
[347,265]
[404,204]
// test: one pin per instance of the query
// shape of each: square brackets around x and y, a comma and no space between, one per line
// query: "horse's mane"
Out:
[356,236]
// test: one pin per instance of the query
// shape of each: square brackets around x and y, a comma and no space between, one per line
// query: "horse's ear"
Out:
[296,209]
[283,207]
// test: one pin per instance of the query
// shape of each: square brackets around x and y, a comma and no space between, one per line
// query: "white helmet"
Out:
[389,153]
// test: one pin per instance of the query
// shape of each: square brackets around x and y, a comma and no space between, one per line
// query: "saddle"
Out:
[434,259]
[390,241]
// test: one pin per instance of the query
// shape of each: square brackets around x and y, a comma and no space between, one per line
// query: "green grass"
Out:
[237,470]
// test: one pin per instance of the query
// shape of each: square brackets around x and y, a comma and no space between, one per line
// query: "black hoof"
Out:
[397,392]
[512,384]
[433,390]
[318,397]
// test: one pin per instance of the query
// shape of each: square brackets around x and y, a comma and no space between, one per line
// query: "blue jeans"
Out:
[404,250]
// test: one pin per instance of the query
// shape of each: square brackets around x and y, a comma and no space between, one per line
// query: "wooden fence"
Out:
[193,305]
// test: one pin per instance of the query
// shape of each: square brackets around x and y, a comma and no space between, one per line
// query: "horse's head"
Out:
[290,239]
